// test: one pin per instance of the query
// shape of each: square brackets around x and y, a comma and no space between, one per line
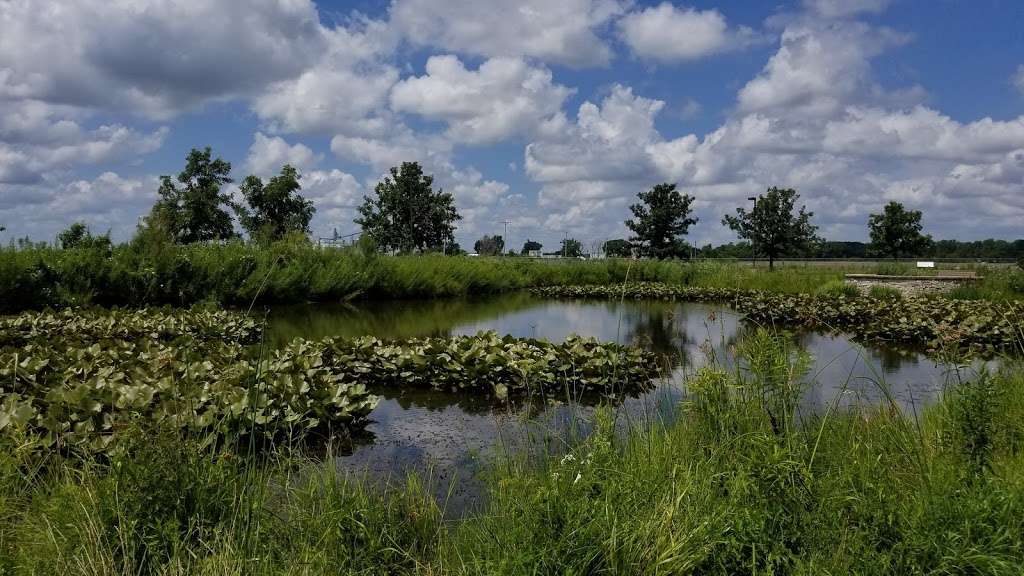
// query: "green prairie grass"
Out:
[147,272]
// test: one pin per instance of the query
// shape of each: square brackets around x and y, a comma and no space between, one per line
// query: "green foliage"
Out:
[489,245]
[74,381]
[896,269]
[660,220]
[152,270]
[897,232]
[884,293]
[78,235]
[531,246]
[275,209]
[571,248]
[772,226]
[736,250]
[735,481]
[839,288]
[726,489]
[966,292]
[407,215]
[618,248]
[195,211]
[942,324]
[76,392]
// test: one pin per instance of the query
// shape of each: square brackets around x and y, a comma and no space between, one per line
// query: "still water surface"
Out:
[447,436]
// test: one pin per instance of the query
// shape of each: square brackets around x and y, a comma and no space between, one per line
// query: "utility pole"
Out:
[565,243]
[505,237]
[753,243]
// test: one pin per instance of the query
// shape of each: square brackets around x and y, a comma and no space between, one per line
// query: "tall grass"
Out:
[149,272]
[740,481]
[238,274]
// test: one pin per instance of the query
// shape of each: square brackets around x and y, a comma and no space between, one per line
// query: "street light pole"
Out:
[753,242]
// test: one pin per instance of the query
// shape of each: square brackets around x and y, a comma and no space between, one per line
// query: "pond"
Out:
[447,436]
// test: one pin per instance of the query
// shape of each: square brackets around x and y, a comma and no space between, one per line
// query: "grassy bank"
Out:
[738,483]
[141,273]
[238,274]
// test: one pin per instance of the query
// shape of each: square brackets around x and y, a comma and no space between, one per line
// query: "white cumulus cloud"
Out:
[668,33]
[563,32]
[505,96]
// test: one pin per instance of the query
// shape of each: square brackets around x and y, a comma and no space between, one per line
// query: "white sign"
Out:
[926,264]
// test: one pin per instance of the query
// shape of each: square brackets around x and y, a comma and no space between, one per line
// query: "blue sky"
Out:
[551,115]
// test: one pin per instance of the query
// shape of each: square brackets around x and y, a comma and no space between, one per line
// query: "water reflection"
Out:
[387,319]
[445,434]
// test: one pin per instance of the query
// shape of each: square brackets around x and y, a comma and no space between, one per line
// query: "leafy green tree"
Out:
[275,209]
[530,246]
[195,210]
[772,226]
[737,250]
[897,232]
[407,215]
[78,235]
[489,245]
[571,248]
[660,219]
[618,248]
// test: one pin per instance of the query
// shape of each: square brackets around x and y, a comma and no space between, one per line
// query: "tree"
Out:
[618,248]
[489,245]
[659,221]
[897,231]
[772,226]
[571,248]
[407,215]
[531,245]
[195,211]
[78,235]
[275,209]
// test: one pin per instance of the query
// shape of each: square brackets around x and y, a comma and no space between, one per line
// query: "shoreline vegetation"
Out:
[153,273]
[72,381]
[738,482]
[960,328]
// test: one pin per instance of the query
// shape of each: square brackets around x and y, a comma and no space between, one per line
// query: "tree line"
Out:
[405,214]
[775,227]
